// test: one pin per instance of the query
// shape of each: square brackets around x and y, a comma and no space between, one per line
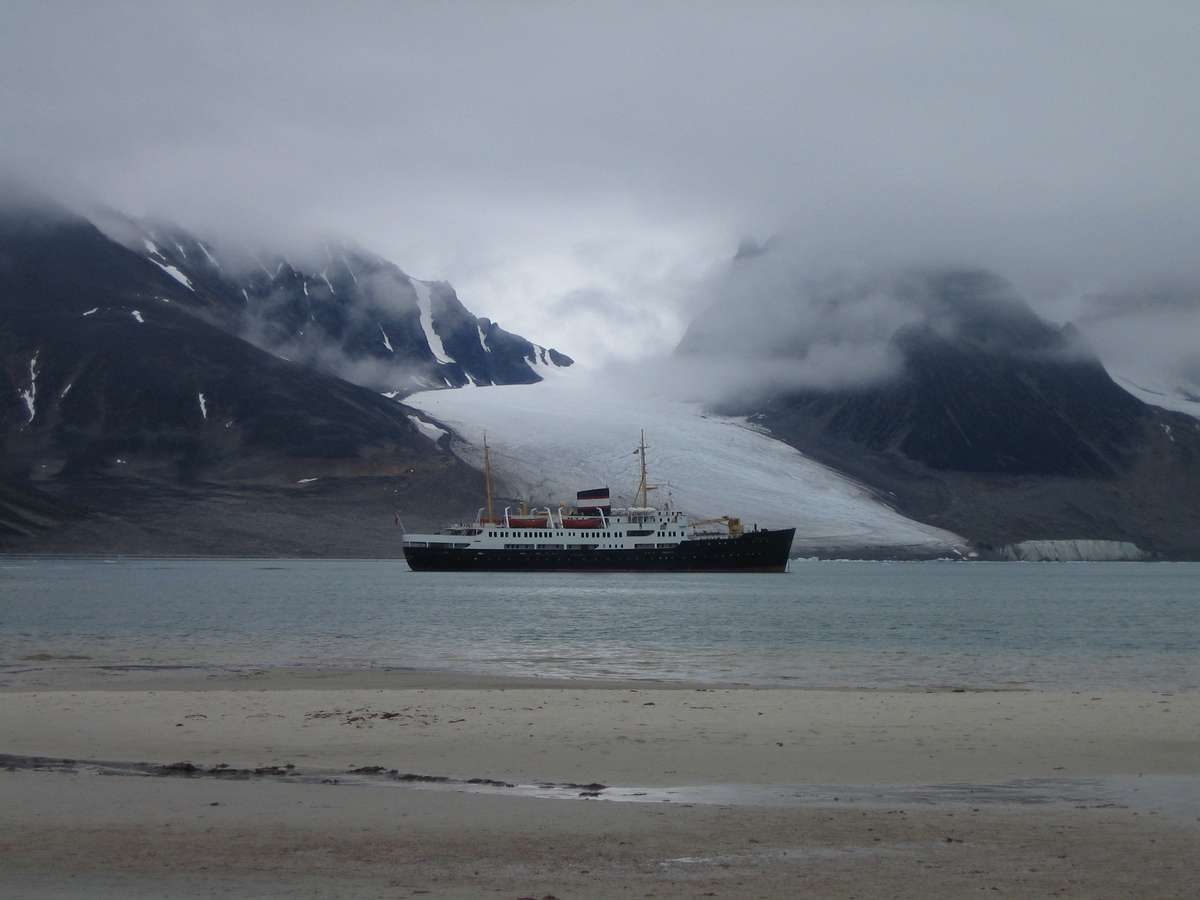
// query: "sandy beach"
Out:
[587,789]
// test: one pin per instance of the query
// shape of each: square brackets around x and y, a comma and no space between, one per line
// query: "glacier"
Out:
[1160,389]
[578,429]
[1073,551]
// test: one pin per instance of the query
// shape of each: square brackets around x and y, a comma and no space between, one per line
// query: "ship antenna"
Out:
[487,476]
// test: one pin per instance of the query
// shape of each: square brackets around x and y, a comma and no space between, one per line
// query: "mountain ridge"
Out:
[356,315]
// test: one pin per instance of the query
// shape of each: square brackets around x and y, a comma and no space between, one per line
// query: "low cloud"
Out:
[1149,334]
[572,168]
[777,319]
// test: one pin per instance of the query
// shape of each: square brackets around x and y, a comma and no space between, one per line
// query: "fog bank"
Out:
[574,168]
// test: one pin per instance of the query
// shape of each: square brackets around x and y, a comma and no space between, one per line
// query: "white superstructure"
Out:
[635,528]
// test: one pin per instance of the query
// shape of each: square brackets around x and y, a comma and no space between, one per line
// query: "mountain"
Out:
[350,313]
[986,386]
[124,394]
[158,396]
[993,424]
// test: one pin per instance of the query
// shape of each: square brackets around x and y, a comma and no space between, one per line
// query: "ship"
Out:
[591,536]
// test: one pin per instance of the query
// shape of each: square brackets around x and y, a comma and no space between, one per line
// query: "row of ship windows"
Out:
[539,534]
[464,546]
[588,546]
[546,534]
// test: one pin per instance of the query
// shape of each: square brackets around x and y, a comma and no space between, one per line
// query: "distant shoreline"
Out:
[830,557]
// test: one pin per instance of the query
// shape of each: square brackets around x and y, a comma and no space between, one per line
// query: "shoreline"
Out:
[135,677]
[742,792]
[849,553]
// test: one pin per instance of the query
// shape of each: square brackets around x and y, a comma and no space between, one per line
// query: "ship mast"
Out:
[643,488]
[487,476]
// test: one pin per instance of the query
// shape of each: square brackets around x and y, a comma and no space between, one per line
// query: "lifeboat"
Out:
[529,521]
[580,522]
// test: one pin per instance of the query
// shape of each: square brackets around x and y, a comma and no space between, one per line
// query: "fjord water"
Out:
[855,624]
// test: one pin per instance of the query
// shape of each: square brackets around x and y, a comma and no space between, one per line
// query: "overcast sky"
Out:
[574,168]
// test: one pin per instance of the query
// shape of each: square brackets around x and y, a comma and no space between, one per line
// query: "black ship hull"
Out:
[754,551]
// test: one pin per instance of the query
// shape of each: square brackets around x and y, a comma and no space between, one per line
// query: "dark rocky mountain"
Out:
[26,512]
[1000,427]
[123,397]
[351,313]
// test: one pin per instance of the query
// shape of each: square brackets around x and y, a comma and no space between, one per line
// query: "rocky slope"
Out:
[123,391]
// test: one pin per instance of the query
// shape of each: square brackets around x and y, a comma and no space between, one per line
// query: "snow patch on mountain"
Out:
[212,259]
[29,395]
[173,272]
[578,431]
[544,365]
[426,307]
[428,429]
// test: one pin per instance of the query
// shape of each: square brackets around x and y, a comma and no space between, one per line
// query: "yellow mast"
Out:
[487,476]
[644,489]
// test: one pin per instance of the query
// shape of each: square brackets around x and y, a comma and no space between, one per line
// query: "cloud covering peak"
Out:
[777,320]
[572,168]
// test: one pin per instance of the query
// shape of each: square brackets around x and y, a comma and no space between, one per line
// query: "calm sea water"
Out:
[1073,626]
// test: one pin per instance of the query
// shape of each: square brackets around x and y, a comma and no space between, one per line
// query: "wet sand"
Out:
[892,832]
